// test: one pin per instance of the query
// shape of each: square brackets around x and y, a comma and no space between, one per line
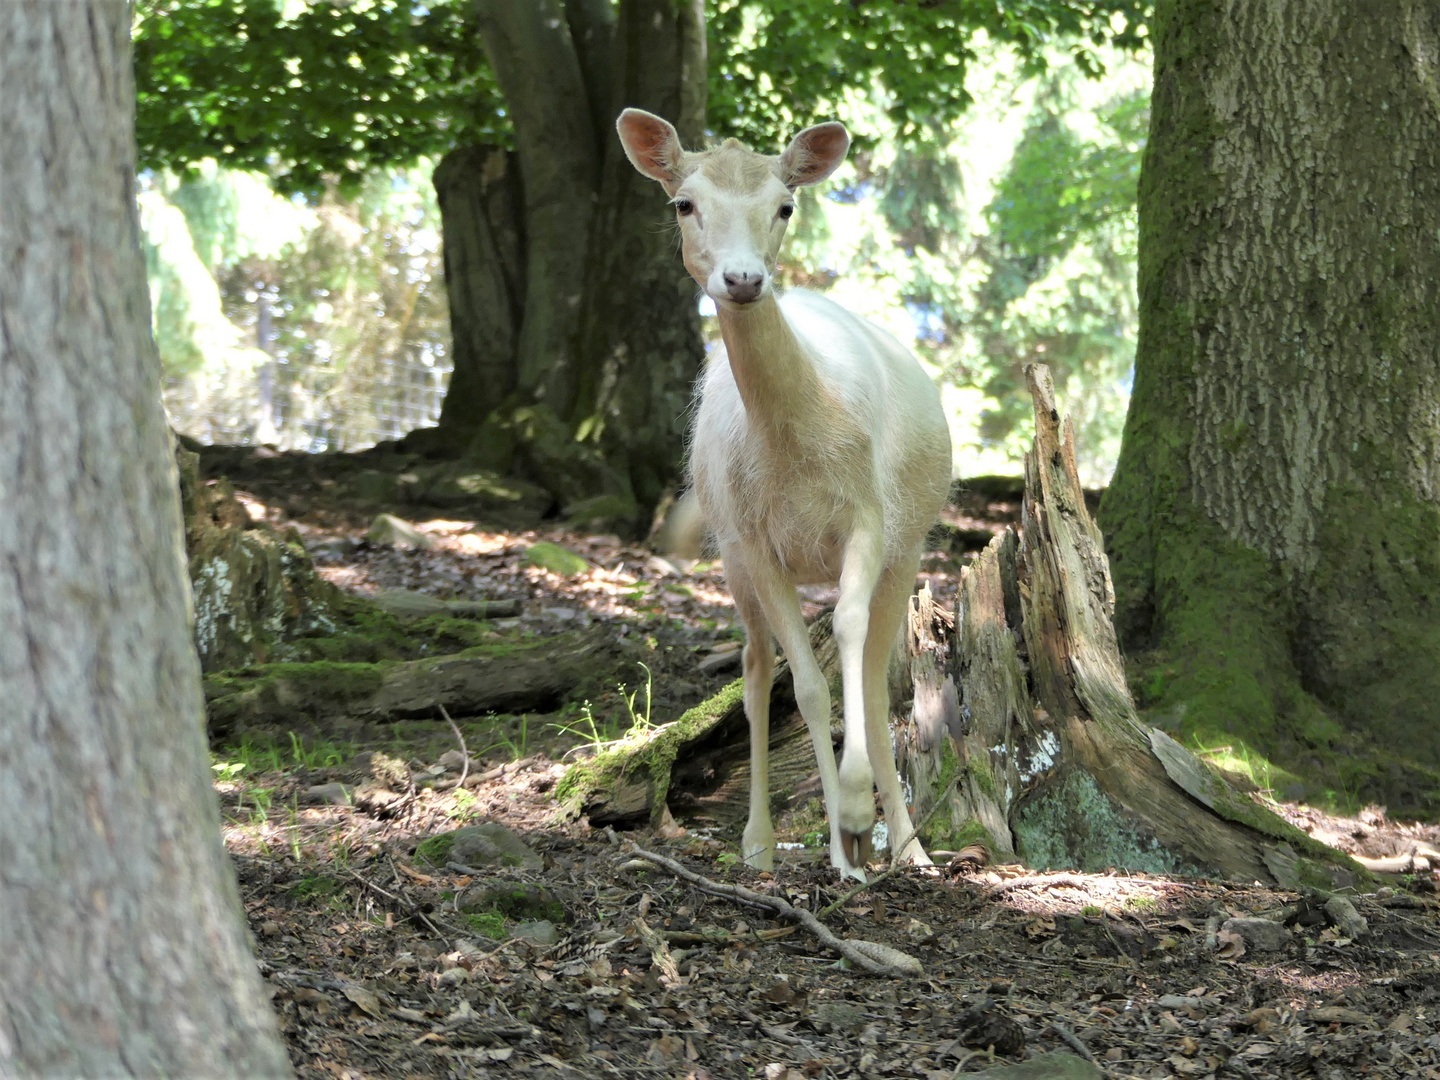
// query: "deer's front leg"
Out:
[757,843]
[887,612]
[859,574]
[782,611]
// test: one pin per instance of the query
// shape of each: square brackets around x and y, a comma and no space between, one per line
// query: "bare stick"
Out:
[464,750]
[1069,1039]
[775,904]
[412,910]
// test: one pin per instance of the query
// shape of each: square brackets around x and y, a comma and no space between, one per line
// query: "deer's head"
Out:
[732,204]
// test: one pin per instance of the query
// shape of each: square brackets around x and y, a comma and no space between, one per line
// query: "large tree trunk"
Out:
[576,333]
[124,948]
[1273,521]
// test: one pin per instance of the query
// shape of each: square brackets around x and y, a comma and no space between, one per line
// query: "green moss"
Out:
[316,887]
[300,684]
[435,850]
[489,923]
[984,776]
[653,751]
[940,835]
[522,903]
[555,559]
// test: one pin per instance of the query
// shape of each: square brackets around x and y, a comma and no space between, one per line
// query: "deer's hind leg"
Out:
[887,611]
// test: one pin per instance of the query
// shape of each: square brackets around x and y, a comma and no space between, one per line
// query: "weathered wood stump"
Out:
[1020,721]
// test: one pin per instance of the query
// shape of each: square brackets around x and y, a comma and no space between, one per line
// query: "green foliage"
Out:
[489,923]
[308,91]
[775,68]
[1010,237]
[305,90]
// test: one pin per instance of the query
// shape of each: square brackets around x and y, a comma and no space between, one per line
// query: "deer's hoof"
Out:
[857,847]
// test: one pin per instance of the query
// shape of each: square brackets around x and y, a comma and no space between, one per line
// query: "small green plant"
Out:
[227,772]
[727,858]
[320,754]
[260,804]
[598,735]
[1142,903]
[465,804]
[293,812]
[340,854]
[1092,911]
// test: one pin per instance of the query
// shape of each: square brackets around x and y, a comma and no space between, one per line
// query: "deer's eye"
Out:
[684,207]
[786,210]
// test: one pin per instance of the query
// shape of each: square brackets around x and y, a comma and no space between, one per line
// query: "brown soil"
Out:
[376,974]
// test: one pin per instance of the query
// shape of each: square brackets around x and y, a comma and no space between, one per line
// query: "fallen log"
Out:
[527,676]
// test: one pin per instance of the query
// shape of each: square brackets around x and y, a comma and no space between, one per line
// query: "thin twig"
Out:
[775,904]
[464,750]
[412,910]
[1069,1039]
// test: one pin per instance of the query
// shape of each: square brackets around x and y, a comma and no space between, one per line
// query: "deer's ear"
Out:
[652,145]
[814,154]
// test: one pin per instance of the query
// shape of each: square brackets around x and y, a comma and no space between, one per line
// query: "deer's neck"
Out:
[775,376]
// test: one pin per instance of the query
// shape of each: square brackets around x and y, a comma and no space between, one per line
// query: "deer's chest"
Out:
[798,507]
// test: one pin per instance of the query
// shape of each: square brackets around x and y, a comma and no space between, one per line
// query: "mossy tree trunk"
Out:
[576,334]
[1274,522]
[124,946]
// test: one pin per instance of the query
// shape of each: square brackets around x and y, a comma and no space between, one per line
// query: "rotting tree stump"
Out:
[1014,711]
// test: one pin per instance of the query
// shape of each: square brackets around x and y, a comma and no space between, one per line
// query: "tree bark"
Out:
[124,948]
[481,203]
[580,378]
[1275,517]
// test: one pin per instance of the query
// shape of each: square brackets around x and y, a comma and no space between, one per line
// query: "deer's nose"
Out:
[743,286]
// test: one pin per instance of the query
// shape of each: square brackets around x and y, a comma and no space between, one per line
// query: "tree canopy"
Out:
[315,92]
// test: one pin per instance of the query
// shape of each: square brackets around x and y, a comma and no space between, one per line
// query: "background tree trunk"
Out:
[1273,522]
[124,950]
[481,203]
[576,334]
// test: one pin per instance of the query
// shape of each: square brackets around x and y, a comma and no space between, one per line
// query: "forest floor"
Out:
[576,958]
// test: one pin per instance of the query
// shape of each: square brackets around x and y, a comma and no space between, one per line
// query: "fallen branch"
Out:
[859,953]
[464,750]
[411,910]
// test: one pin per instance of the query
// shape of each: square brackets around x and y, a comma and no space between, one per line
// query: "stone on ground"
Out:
[556,559]
[390,531]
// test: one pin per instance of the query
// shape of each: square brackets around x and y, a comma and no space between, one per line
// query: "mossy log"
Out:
[1014,710]
[698,766]
[534,675]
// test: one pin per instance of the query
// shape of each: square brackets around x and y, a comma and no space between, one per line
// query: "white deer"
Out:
[820,453]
